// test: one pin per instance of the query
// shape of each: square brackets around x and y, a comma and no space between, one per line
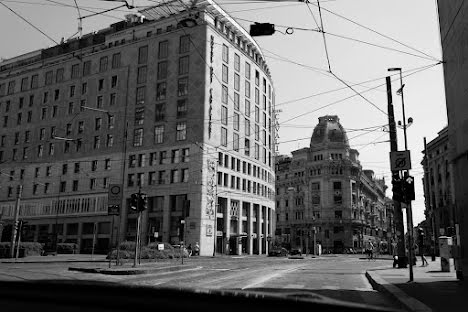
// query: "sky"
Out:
[363,39]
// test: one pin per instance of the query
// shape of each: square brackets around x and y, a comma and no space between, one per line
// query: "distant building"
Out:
[438,187]
[324,187]
[177,105]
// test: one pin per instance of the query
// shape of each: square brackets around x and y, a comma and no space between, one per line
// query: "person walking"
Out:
[189,250]
[421,253]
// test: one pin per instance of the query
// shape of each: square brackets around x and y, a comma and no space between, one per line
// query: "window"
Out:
[225,74]
[257,151]
[140,95]
[236,62]
[184,45]
[70,108]
[138,137]
[162,70]
[54,111]
[338,214]
[110,121]
[257,132]
[100,84]
[182,108]
[247,70]
[80,127]
[143,55]
[107,164]
[24,84]
[223,136]
[132,161]
[163,49]
[45,97]
[139,116]
[26,137]
[5,121]
[224,95]
[161,177]
[97,124]
[159,134]
[34,81]
[182,88]
[183,65]
[235,142]
[141,75]
[94,165]
[31,100]
[21,102]
[247,108]
[141,160]
[116,60]
[175,156]
[224,115]
[257,78]
[236,82]
[97,142]
[92,183]
[29,116]
[159,110]
[103,64]
[110,140]
[114,81]
[63,186]
[161,91]
[225,53]
[18,118]
[181,131]
[257,96]
[86,68]
[131,179]
[175,176]
[112,100]
[236,101]
[84,87]
[75,185]
[185,175]
[236,121]
[41,134]
[48,77]
[185,155]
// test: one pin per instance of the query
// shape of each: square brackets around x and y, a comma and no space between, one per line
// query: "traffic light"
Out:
[143,202]
[262,29]
[134,202]
[409,189]
[398,191]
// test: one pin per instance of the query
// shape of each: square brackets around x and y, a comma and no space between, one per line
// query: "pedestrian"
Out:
[423,259]
[370,250]
[395,255]
[196,249]
[189,250]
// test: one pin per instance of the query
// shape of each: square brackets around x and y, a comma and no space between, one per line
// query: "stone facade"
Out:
[150,104]
[324,188]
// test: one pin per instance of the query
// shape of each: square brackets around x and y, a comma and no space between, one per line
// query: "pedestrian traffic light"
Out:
[262,29]
[398,191]
[143,202]
[134,202]
[409,189]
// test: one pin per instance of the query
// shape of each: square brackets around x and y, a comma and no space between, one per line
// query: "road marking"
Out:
[294,286]
[268,277]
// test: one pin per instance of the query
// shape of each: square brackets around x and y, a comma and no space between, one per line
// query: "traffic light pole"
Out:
[429,200]
[398,213]
[19,239]
[15,224]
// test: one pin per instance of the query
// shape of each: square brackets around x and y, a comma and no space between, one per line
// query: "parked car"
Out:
[295,251]
[278,252]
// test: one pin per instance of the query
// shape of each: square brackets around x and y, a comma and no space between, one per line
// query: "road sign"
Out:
[160,246]
[115,194]
[113,210]
[400,160]
[156,234]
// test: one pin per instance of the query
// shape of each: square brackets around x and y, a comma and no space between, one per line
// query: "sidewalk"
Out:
[60,258]
[431,290]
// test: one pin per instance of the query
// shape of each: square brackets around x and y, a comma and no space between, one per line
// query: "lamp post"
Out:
[409,213]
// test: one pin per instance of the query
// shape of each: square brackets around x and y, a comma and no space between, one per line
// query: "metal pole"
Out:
[110,241]
[94,240]
[398,213]
[409,213]
[215,234]
[19,239]
[429,200]
[315,241]
[136,239]
[19,192]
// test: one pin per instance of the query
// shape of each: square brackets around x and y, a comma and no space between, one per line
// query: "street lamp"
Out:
[409,213]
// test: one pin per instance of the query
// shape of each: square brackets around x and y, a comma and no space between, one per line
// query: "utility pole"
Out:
[20,227]
[14,230]
[398,213]
[429,200]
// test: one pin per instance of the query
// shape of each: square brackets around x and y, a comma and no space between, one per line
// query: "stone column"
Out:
[250,229]
[259,229]
[239,228]
[227,225]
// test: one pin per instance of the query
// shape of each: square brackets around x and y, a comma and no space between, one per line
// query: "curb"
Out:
[130,271]
[56,261]
[406,301]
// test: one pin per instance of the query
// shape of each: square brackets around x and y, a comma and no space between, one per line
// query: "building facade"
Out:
[439,188]
[178,106]
[453,34]
[323,191]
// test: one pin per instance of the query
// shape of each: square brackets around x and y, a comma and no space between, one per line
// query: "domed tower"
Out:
[329,133]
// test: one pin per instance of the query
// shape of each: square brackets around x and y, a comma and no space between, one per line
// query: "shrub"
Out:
[147,252]
[30,248]
[67,248]
[126,245]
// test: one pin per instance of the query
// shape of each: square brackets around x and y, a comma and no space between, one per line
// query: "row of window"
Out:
[245,185]
[158,177]
[159,158]
[245,167]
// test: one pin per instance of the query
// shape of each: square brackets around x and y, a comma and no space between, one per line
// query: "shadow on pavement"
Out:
[440,296]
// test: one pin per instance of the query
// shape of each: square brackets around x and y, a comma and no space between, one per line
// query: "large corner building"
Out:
[177,105]
[323,189]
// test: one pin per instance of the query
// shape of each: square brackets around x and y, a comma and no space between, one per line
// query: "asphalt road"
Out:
[338,277]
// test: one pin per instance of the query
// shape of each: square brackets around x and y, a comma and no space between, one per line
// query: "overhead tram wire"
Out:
[29,23]
[84,9]
[323,34]
[378,33]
